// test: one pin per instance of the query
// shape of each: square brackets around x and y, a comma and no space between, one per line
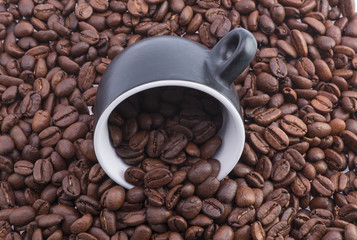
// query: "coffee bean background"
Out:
[296,178]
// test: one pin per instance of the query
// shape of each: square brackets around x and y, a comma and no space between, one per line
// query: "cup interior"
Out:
[232,132]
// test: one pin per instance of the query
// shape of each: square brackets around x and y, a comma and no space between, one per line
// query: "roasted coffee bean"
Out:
[208,188]
[227,191]
[41,120]
[313,227]
[299,42]
[268,212]
[30,104]
[301,186]
[173,196]
[157,215]
[296,160]
[267,83]
[86,204]
[323,185]
[280,170]
[155,143]
[268,116]
[134,175]
[189,207]
[245,196]
[278,68]
[65,116]
[174,146]
[241,216]
[212,208]
[177,224]
[22,216]
[113,198]
[203,131]
[23,167]
[157,177]
[71,186]
[279,229]
[7,198]
[293,125]
[276,138]
[321,104]
[258,143]
[199,172]
[318,129]
[42,171]
[350,231]
[257,231]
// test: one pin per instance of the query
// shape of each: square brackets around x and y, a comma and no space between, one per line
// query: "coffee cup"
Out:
[168,61]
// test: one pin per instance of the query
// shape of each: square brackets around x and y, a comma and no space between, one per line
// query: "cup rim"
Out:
[104,150]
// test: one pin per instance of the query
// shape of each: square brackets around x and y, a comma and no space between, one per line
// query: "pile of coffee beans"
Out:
[296,178]
[166,128]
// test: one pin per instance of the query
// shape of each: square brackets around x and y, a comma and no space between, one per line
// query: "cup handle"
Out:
[231,55]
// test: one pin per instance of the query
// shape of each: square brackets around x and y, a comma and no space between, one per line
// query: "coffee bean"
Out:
[65,116]
[7,198]
[23,167]
[245,196]
[157,177]
[199,172]
[280,170]
[208,188]
[350,231]
[42,171]
[301,186]
[174,146]
[22,216]
[299,42]
[321,104]
[86,204]
[212,208]
[313,227]
[346,8]
[276,137]
[258,231]
[267,83]
[189,207]
[113,198]
[268,116]
[318,129]
[279,229]
[293,125]
[171,199]
[296,160]
[71,186]
[157,215]
[241,216]
[258,143]
[323,185]
[177,223]
[268,212]
[227,191]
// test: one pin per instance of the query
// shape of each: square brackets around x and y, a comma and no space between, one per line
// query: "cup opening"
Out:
[231,132]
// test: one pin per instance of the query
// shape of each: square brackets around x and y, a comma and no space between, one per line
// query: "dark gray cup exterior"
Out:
[168,58]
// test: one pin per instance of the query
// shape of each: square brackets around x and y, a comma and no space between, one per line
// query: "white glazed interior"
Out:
[232,132]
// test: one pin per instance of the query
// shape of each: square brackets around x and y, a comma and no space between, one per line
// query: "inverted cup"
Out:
[172,61]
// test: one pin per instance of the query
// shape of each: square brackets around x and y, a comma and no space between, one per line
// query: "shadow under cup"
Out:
[231,132]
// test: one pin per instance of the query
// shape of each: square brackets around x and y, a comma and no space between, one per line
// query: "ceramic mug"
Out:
[174,61]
